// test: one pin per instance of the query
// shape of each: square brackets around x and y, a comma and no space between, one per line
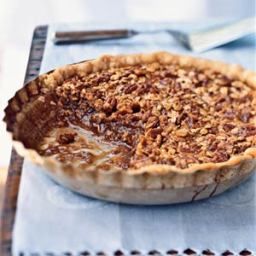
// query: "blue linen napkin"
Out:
[52,219]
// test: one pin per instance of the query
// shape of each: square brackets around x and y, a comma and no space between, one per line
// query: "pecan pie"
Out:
[146,128]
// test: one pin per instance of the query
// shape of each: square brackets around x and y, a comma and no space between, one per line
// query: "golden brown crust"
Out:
[150,176]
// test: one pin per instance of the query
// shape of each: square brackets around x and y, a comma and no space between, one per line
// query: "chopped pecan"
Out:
[181,132]
[152,122]
[110,105]
[153,133]
[130,88]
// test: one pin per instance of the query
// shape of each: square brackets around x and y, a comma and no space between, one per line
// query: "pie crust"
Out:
[152,183]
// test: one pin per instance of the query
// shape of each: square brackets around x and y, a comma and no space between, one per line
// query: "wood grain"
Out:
[9,203]
[3,175]
[15,168]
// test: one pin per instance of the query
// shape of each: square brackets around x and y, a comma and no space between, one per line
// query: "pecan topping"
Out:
[167,114]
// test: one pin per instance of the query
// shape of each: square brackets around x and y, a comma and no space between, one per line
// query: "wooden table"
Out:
[3,173]
[16,162]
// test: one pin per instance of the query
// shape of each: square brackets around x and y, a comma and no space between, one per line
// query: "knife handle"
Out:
[79,36]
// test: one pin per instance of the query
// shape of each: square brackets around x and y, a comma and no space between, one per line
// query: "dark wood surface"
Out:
[16,162]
